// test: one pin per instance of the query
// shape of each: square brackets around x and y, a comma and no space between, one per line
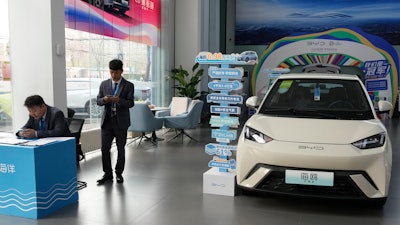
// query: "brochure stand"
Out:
[221,178]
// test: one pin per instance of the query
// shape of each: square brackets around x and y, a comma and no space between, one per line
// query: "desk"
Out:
[37,180]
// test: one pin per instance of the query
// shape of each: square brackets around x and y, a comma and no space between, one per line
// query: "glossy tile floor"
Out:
[163,186]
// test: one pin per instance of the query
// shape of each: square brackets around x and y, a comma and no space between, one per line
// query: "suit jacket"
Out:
[126,101]
[56,124]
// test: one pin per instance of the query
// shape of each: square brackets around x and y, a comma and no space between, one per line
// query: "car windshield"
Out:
[318,98]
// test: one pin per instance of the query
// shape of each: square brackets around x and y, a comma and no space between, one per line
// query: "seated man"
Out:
[44,120]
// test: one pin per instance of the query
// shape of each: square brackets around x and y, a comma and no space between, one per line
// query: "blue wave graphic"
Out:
[38,200]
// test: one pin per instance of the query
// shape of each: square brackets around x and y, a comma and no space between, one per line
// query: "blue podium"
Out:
[37,180]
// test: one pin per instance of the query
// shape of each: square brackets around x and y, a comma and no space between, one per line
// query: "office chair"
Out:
[75,127]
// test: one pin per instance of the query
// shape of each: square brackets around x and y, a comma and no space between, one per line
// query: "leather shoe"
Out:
[120,179]
[105,179]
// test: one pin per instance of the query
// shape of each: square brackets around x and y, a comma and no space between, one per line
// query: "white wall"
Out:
[187,32]
[36,29]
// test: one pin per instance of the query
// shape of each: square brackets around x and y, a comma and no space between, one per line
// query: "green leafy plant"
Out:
[187,83]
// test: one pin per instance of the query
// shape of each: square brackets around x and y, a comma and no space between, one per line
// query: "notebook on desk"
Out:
[12,141]
[39,142]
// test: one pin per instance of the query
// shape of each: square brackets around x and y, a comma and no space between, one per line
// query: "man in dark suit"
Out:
[116,95]
[44,120]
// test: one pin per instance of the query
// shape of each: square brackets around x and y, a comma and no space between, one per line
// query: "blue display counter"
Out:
[37,180]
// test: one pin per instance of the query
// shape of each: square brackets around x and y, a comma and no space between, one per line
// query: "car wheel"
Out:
[93,109]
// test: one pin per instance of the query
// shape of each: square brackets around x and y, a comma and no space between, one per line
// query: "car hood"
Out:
[322,131]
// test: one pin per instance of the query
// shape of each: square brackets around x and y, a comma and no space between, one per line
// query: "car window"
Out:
[318,98]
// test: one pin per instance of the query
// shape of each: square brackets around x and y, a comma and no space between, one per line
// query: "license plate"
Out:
[304,177]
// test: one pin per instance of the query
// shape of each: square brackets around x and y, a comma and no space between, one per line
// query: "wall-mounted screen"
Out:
[133,20]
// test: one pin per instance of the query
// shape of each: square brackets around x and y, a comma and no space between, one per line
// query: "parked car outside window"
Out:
[82,94]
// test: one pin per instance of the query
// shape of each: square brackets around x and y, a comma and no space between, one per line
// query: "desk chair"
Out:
[71,112]
[143,121]
[75,127]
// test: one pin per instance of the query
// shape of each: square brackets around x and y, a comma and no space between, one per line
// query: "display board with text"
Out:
[220,179]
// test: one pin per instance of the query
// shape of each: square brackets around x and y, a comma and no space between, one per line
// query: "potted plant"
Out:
[187,83]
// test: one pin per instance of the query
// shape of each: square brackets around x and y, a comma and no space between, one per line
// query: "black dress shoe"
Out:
[120,179]
[105,179]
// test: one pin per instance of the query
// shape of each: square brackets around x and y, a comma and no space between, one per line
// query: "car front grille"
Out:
[343,186]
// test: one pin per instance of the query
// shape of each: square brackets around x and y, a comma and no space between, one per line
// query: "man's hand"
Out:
[27,133]
[110,98]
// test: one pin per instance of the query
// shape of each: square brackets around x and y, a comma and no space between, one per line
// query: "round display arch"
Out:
[342,47]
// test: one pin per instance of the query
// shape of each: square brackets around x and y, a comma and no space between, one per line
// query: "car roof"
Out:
[319,76]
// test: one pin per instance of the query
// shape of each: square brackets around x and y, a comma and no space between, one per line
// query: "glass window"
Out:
[97,33]
[87,57]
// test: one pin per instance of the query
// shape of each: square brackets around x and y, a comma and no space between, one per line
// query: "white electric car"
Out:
[316,135]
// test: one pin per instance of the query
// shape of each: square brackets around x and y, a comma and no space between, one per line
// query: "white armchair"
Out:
[177,106]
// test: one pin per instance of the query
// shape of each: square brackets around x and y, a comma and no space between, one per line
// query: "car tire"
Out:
[379,202]
[244,191]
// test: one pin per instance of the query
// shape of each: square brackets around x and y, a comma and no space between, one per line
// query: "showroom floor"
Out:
[163,186]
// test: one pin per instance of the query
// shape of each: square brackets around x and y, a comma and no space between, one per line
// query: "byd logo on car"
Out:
[306,147]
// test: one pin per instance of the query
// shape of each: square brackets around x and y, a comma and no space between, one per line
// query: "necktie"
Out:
[113,107]
[42,124]
[115,89]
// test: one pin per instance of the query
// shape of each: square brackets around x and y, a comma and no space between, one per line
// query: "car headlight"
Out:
[374,141]
[255,135]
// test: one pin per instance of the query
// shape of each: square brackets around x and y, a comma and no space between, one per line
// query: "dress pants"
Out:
[109,131]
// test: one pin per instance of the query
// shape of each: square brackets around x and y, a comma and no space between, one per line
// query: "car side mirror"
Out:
[384,107]
[252,102]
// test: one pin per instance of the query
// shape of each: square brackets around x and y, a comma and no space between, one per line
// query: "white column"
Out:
[37,53]
[187,32]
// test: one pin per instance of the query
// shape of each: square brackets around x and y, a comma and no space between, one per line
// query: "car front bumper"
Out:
[359,174]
